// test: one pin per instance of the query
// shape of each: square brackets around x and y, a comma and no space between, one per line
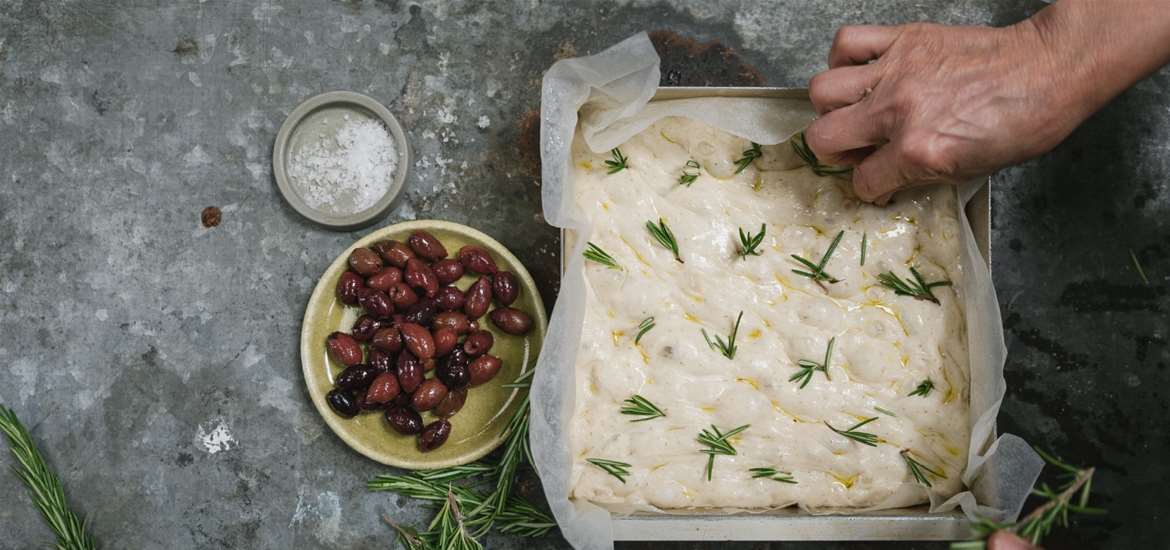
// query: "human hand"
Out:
[1006,540]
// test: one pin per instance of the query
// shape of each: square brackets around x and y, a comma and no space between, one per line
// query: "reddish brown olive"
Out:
[429,394]
[511,320]
[344,349]
[380,361]
[451,404]
[426,245]
[355,378]
[434,435]
[478,343]
[449,298]
[364,328]
[395,253]
[404,420]
[387,339]
[365,261]
[348,286]
[419,275]
[418,340]
[484,368]
[422,313]
[454,320]
[343,402]
[376,303]
[478,298]
[448,270]
[445,341]
[410,372]
[505,287]
[402,296]
[385,279]
[477,259]
[383,389]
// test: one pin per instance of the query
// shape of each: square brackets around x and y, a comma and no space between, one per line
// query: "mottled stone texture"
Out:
[156,360]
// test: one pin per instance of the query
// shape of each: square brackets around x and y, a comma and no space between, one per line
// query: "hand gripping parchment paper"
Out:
[608,95]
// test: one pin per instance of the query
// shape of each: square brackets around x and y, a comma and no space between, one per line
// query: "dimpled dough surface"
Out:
[885,344]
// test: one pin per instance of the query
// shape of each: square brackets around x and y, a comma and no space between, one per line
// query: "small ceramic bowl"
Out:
[479,426]
[325,114]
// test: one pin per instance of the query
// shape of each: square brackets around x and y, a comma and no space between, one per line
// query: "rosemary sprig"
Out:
[44,488]
[919,470]
[687,178]
[816,271]
[861,437]
[596,254]
[645,326]
[640,406]
[448,525]
[749,156]
[918,288]
[523,519]
[618,163]
[805,153]
[749,244]
[612,467]
[726,347]
[923,388]
[807,367]
[408,536]
[717,444]
[665,237]
[455,473]
[772,474]
[1138,265]
[516,452]
[864,245]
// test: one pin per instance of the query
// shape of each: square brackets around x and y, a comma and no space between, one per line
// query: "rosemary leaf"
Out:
[886,412]
[864,245]
[665,237]
[749,244]
[919,470]
[618,163]
[612,467]
[860,437]
[594,253]
[1138,265]
[640,406]
[807,367]
[687,178]
[816,271]
[645,326]
[923,388]
[726,347]
[918,288]
[717,443]
[772,474]
[749,156]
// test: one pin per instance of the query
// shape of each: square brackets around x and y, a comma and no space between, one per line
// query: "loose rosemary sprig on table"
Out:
[665,237]
[860,437]
[749,244]
[919,470]
[645,326]
[772,474]
[43,486]
[618,163]
[807,367]
[816,271]
[749,156]
[612,467]
[717,443]
[687,178]
[726,347]
[923,388]
[450,531]
[594,253]
[800,146]
[918,288]
[640,406]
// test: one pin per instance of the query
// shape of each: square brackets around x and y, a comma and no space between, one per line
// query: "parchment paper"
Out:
[611,91]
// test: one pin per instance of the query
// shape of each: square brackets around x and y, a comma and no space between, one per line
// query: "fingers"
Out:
[831,136]
[836,88]
[858,44]
[879,175]
[1005,540]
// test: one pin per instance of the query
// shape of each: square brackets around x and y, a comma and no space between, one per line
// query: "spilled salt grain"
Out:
[347,172]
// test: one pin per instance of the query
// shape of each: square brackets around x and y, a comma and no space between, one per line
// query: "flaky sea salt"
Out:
[347,172]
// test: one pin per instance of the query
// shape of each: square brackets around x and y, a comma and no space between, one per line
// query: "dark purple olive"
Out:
[477,259]
[450,298]
[387,339]
[445,341]
[344,349]
[348,286]
[450,404]
[426,245]
[377,304]
[484,368]
[505,287]
[355,378]
[453,374]
[365,261]
[380,360]
[419,275]
[422,312]
[394,252]
[410,372]
[434,435]
[385,279]
[429,394]
[343,403]
[453,320]
[404,420]
[402,296]
[447,270]
[364,328]
[511,320]
[478,343]
[478,298]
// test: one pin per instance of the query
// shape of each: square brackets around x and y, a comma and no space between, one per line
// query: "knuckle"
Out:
[934,156]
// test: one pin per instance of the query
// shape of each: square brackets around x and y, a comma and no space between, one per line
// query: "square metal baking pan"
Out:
[789,523]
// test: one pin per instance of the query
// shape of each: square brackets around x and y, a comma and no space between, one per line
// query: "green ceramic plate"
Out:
[479,427]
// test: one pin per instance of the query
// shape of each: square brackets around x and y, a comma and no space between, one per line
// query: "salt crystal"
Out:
[348,172]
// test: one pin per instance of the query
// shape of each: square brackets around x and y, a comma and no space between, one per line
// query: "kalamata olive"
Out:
[426,245]
[395,253]
[478,343]
[402,400]
[343,349]
[449,298]
[511,320]
[451,404]
[387,339]
[404,420]
[355,378]
[418,340]
[343,402]
[477,259]
[478,298]
[380,361]
[454,320]
[447,270]
[429,394]
[445,340]
[377,304]
[410,372]
[434,435]
[383,389]
[472,325]
[505,287]
[365,261]
[484,368]
[402,296]
[457,355]
[422,313]
[419,275]
[347,288]
[385,279]
[454,374]
[364,328]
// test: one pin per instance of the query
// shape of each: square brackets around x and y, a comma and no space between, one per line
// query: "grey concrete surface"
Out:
[156,361]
